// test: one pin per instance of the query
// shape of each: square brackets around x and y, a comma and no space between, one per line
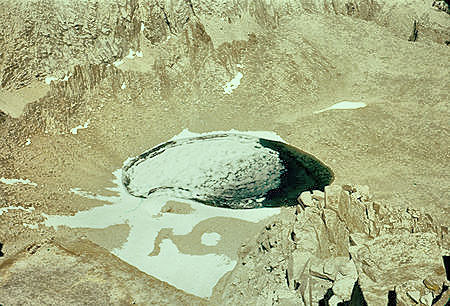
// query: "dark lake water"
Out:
[226,170]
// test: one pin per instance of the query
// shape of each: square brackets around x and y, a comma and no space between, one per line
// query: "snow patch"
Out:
[31,226]
[17,181]
[210,239]
[145,219]
[5,209]
[80,127]
[123,85]
[48,80]
[343,105]
[260,200]
[66,78]
[131,54]
[118,63]
[233,84]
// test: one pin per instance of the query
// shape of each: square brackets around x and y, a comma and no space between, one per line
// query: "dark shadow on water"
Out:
[392,298]
[446,260]
[303,172]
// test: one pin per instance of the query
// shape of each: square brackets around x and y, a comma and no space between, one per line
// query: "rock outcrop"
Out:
[342,240]
[46,39]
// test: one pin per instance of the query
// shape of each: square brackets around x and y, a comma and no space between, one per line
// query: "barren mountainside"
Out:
[86,85]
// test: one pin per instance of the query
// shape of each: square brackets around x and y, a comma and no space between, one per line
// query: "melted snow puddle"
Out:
[343,105]
[195,274]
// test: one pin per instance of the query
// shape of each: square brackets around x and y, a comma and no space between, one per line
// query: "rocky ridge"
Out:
[61,36]
[345,241]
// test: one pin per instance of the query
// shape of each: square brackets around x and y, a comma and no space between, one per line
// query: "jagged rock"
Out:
[306,199]
[441,5]
[346,268]
[345,278]
[329,268]
[433,284]
[358,239]
[397,250]
[343,287]
[414,295]
[334,301]
[337,233]
[49,44]
[69,34]
[298,267]
[427,299]
[389,260]
[318,195]
[443,301]
[319,287]
[317,269]
[332,195]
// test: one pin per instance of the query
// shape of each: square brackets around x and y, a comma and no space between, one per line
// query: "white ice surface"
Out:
[211,239]
[16,181]
[233,84]
[195,165]
[343,105]
[196,274]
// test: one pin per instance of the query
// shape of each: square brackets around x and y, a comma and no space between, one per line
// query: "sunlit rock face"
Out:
[226,170]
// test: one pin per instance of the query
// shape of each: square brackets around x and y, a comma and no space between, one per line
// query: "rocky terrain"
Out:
[345,241]
[87,84]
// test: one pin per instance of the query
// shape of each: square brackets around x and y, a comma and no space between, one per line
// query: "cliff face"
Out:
[344,241]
